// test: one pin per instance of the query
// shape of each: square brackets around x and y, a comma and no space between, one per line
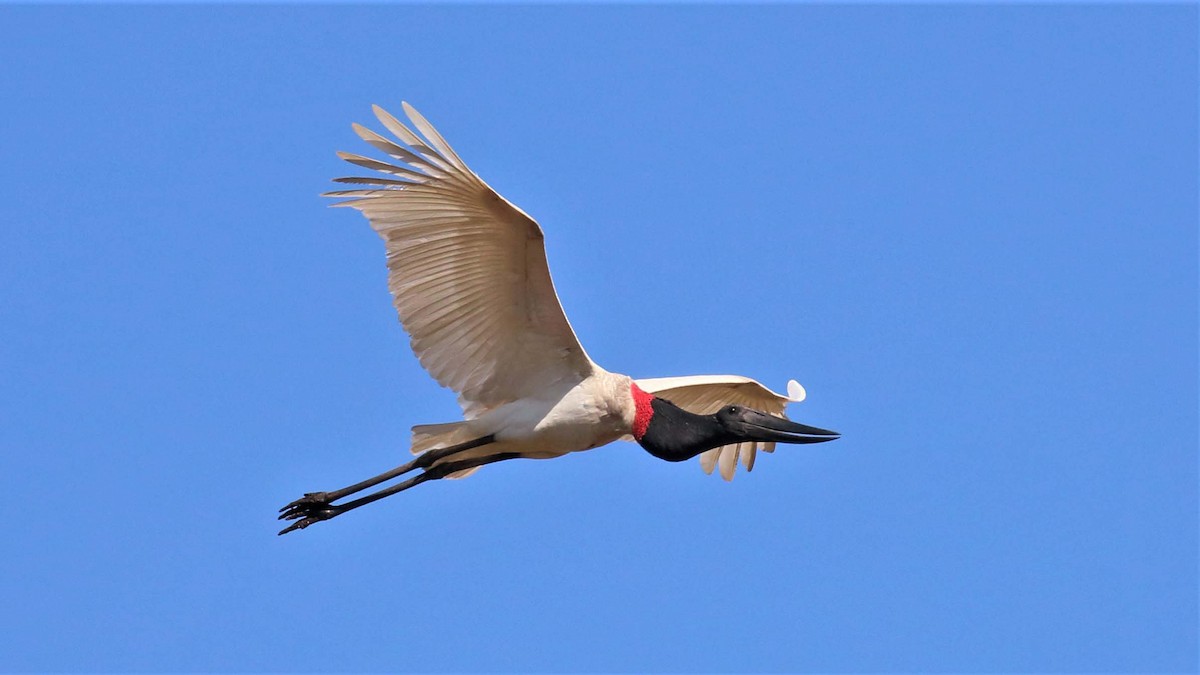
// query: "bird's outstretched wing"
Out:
[706,394]
[468,271]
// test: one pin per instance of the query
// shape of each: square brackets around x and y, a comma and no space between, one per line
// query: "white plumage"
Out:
[468,274]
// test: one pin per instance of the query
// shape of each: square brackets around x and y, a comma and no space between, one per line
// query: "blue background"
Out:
[969,231]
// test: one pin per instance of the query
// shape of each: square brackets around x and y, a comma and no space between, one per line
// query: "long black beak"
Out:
[763,427]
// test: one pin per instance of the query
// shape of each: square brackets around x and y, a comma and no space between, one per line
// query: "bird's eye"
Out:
[732,410]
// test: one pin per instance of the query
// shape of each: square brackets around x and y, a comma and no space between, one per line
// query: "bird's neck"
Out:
[669,432]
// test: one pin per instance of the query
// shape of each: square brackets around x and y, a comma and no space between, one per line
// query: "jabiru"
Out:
[468,274]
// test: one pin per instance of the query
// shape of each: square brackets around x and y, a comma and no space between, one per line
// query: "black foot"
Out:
[311,508]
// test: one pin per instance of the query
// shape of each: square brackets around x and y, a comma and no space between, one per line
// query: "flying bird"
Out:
[469,279]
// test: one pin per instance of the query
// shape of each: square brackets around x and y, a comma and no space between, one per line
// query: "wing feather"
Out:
[439,144]
[382,144]
[369,180]
[706,394]
[467,271]
[409,138]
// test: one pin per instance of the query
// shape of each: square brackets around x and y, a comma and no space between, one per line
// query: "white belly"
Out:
[591,414]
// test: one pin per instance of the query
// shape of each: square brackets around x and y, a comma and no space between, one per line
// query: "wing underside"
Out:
[466,268]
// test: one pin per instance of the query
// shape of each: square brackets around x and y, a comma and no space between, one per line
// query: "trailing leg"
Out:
[306,513]
[422,461]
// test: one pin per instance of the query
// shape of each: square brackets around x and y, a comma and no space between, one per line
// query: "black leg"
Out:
[307,513]
[420,462]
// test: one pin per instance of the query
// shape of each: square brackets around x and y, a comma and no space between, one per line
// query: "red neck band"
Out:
[641,402]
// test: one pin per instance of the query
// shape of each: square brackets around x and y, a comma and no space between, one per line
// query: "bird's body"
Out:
[594,411]
[470,282]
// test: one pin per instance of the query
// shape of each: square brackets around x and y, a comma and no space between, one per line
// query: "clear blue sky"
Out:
[970,232]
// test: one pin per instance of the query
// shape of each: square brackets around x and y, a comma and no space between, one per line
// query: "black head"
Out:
[748,424]
[675,434]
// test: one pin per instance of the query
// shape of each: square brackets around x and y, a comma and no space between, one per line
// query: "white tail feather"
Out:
[426,437]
